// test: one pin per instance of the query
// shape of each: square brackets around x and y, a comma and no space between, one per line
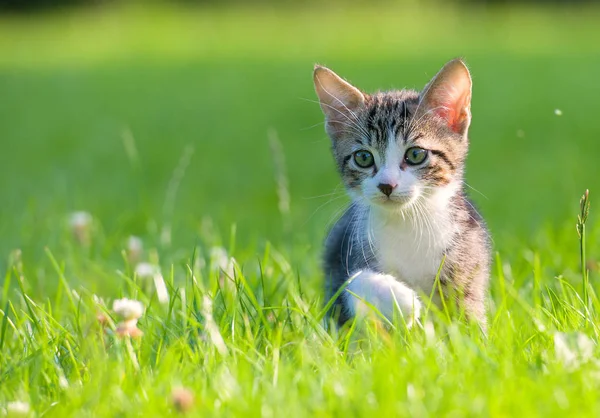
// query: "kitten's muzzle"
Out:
[386,188]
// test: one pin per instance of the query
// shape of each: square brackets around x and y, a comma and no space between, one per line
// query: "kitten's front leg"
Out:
[385,293]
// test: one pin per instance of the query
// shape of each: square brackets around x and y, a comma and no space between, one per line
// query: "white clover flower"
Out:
[80,219]
[145,270]
[128,309]
[135,244]
[135,248]
[80,223]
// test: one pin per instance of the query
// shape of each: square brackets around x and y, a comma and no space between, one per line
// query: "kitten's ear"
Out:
[448,95]
[339,100]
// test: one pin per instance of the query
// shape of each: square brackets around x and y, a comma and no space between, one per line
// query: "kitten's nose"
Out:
[386,189]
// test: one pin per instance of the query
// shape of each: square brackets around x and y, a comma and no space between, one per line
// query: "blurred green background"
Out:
[99,105]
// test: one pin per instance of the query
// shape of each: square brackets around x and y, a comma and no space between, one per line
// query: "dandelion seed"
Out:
[80,223]
[558,112]
[17,409]
[183,399]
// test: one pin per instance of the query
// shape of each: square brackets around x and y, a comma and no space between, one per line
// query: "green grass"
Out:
[158,120]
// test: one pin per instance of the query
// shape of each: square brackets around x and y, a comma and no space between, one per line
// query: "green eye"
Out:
[364,159]
[415,155]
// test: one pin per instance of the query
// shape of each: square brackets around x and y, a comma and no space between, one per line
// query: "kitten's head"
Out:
[397,147]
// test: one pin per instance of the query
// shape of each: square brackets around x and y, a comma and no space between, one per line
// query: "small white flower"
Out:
[17,408]
[558,112]
[135,244]
[80,219]
[128,309]
[135,248]
[80,223]
[145,270]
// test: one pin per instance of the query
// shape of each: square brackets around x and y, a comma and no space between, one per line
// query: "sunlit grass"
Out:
[248,339]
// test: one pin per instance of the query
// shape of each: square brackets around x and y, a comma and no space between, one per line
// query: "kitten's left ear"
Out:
[448,95]
[339,100]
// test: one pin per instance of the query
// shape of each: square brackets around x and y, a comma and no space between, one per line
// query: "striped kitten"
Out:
[401,155]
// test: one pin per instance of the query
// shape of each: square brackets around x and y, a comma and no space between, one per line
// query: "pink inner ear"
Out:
[454,110]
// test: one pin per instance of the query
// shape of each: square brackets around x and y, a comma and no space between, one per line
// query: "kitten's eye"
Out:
[415,155]
[364,159]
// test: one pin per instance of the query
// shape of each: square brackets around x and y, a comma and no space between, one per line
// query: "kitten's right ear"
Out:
[339,100]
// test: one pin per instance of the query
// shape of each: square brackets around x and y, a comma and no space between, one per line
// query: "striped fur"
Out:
[394,245]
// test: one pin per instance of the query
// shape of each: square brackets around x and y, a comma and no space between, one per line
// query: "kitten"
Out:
[401,155]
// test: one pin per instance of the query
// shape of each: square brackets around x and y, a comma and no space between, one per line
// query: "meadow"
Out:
[197,131]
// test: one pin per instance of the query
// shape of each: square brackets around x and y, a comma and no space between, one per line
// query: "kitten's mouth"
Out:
[392,202]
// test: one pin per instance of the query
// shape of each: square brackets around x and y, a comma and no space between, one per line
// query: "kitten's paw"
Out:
[383,292]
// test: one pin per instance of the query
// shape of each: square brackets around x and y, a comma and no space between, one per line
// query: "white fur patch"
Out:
[411,246]
[385,293]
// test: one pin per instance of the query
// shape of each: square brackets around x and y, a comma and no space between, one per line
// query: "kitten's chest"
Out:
[412,255]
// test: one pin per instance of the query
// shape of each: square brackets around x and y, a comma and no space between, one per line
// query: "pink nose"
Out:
[386,189]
